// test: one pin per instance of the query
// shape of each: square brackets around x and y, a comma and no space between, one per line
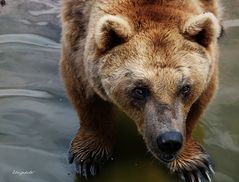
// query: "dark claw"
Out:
[78,168]
[207,171]
[201,172]
[71,157]
[191,177]
[198,177]
[88,165]
[206,174]
[186,177]
[93,169]
[208,162]
[210,167]
[85,170]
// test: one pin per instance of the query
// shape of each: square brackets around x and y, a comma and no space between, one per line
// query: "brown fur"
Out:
[111,47]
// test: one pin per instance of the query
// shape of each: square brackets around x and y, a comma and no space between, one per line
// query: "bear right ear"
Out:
[203,29]
[111,31]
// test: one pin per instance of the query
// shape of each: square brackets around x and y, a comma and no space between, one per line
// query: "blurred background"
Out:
[37,122]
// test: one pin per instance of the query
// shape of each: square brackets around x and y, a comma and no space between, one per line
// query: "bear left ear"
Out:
[111,31]
[203,29]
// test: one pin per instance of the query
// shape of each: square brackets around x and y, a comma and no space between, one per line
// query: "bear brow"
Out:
[189,47]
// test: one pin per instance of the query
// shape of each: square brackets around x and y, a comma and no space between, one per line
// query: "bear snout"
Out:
[170,142]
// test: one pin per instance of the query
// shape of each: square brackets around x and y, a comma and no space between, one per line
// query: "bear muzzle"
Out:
[169,143]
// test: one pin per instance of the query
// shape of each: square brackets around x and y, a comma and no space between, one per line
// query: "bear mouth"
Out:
[167,157]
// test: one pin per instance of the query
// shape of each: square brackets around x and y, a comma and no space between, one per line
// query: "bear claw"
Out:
[85,168]
[88,167]
[199,175]
[193,168]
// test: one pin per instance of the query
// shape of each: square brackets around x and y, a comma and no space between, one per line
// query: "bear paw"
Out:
[193,165]
[89,154]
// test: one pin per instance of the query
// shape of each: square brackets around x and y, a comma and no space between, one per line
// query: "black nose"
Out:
[170,142]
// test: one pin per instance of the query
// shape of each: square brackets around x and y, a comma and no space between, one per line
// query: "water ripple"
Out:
[31,39]
[24,93]
[52,8]
[31,150]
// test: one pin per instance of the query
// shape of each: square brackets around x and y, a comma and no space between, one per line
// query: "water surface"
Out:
[37,122]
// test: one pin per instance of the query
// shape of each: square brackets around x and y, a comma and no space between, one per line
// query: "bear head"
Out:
[154,70]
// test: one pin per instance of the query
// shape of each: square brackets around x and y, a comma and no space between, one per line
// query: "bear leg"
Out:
[93,144]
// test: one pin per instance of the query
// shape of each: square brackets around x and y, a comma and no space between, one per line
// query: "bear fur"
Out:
[157,60]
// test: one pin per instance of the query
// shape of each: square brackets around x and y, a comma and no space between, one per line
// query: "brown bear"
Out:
[154,59]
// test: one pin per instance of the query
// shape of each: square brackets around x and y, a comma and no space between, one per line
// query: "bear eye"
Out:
[140,93]
[186,90]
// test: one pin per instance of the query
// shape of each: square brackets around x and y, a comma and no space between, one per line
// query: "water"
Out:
[37,122]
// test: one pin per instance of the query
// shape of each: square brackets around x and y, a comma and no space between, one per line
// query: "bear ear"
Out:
[111,31]
[203,29]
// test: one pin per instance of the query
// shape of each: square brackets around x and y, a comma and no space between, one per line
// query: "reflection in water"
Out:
[37,123]
[30,39]
[51,7]
[24,93]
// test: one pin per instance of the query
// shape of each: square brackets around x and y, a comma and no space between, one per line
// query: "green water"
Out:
[37,123]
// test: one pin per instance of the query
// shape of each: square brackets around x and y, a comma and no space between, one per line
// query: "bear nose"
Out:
[170,142]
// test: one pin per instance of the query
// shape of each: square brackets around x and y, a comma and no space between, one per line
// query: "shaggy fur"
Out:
[109,48]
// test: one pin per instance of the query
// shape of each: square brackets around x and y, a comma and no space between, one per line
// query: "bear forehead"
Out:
[162,61]
[163,48]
